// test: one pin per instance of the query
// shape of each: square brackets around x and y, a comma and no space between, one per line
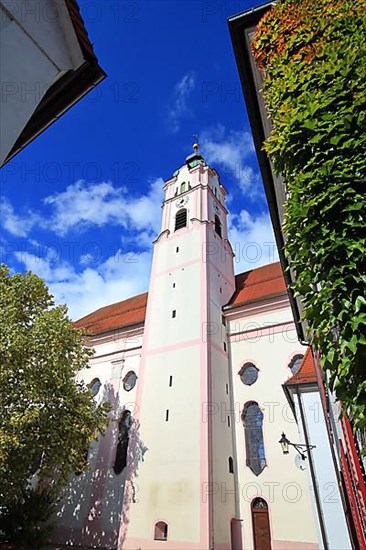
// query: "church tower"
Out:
[183,489]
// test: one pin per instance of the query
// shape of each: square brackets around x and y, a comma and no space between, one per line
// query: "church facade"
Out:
[194,370]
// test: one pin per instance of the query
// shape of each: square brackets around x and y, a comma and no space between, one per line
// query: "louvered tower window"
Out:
[181,219]
[218,226]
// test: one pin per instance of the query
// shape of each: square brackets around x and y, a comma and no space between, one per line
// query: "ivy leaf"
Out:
[352,344]
[335,139]
[360,301]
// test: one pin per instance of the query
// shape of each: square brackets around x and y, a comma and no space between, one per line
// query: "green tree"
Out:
[313,57]
[47,417]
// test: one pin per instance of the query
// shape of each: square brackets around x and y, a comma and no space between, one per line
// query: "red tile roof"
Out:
[121,314]
[306,372]
[263,282]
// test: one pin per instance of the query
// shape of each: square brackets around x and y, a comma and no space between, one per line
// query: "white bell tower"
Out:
[183,396]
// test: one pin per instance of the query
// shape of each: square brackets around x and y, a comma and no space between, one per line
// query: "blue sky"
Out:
[81,205]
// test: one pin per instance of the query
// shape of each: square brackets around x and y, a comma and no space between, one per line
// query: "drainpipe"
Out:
[234,447]
[313,475]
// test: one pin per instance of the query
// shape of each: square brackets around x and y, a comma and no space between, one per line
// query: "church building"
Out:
[195,371]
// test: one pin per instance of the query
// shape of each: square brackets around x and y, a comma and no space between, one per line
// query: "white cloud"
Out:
[230,151]
[14,224]
[121,276]
[99,204]
[180,108]
[145,212]
[252,240]
[83,205]
[86,258]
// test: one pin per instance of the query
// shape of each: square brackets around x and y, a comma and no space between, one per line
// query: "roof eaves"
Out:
[233,306]
[72,86]
[111,330]
[80,30]
[116,304]
[301,382]
[290,399]
[252,13]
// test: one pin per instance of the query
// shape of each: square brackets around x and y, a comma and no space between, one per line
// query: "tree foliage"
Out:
[313,57]
[47,418]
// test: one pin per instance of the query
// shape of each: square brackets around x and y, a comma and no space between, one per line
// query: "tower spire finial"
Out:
[196,145]
[195,158]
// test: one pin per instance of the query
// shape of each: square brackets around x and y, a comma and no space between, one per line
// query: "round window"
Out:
[248,374]
[129,381]
[95,386]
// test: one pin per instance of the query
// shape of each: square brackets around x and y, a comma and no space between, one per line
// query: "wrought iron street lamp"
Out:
[285,443]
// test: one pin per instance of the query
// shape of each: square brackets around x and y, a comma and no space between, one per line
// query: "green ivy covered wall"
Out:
[312,54]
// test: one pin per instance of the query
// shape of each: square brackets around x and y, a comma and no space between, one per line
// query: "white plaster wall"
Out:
[189,243]
[200,198]
[223,488]
[221,284]
[169,479]
[281,483]
[259,318]
[184,299]
[90,511]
